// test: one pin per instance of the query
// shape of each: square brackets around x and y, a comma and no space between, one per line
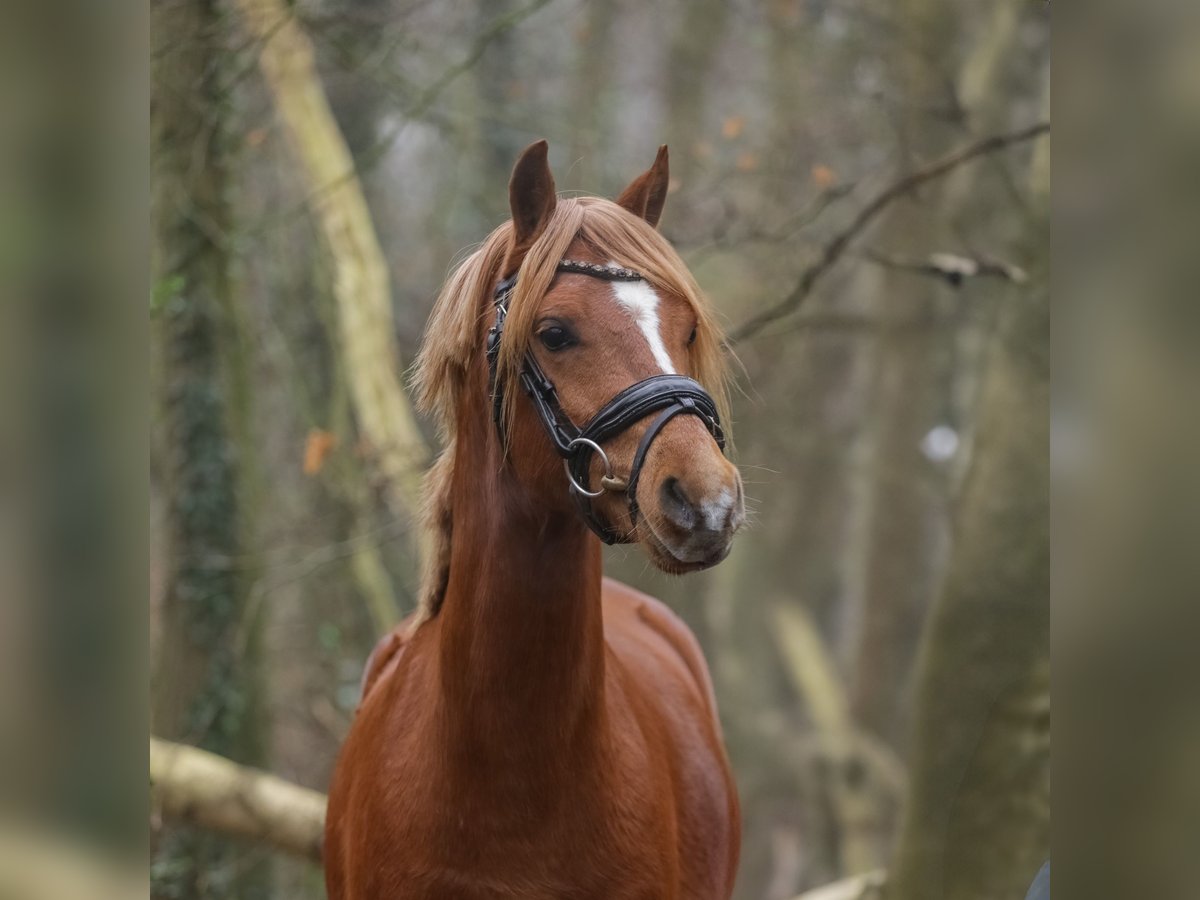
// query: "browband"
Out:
[668,395]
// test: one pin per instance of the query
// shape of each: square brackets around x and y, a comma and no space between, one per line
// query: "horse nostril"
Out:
[675,503]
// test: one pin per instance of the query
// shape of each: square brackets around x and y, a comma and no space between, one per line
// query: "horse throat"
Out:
[521,644]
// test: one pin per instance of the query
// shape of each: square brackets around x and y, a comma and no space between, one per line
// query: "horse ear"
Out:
[648,192]
[532,200]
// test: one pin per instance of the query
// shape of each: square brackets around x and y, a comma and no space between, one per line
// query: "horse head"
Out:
[618,312]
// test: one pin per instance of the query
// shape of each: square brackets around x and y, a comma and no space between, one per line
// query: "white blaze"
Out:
[642,303]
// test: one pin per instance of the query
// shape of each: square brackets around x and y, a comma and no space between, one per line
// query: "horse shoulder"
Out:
[370,803]
[635,611]
[661,651]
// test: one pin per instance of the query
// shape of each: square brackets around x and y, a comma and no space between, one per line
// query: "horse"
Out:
[537,730]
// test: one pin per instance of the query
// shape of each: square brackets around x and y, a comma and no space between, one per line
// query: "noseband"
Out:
[667,395]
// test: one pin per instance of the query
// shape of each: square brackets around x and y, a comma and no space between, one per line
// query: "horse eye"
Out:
[556,338]
[692,337]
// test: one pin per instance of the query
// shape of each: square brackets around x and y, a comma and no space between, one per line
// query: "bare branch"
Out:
[856,802]
[860,887]
[951,267]
[497,27]
[427,97]
[725,237]
[414,108]
[194,786]
[835,248]
[361,282]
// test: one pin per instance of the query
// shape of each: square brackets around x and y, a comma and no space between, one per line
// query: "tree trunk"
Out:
[977,826]
[206,687]
[903,514]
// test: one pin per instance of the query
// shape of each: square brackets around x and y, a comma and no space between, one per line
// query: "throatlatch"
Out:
[668,395]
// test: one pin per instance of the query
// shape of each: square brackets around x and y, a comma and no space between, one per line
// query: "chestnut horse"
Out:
[538,730]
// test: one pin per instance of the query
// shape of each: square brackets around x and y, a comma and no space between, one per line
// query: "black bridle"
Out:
[668,395]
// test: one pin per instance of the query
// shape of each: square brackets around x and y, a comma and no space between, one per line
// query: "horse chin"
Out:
[662,556]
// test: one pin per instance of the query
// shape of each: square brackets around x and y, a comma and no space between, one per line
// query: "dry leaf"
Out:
[823,176]
[255,137]
[733,126]
[317,448]
[746,162]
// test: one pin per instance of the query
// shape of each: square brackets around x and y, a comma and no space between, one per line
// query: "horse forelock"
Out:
[614,235]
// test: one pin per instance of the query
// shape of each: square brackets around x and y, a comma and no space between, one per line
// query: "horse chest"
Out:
[419,829]
[439,801]
[572,849]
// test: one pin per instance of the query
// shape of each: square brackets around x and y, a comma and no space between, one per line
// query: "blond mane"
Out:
[456,329]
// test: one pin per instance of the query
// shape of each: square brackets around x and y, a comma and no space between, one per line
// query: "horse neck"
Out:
[521,642]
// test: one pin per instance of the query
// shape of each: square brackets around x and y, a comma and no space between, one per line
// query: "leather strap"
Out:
[636,402]
[639,458]
[673,395]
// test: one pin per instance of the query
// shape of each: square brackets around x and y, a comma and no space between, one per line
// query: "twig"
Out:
[785,233]
[951,267]
[835,248]
[495,29]
[419,108]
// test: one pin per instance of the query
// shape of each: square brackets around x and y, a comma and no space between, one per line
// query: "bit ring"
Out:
[608,469]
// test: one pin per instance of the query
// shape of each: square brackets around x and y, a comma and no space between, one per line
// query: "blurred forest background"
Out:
[860,186]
